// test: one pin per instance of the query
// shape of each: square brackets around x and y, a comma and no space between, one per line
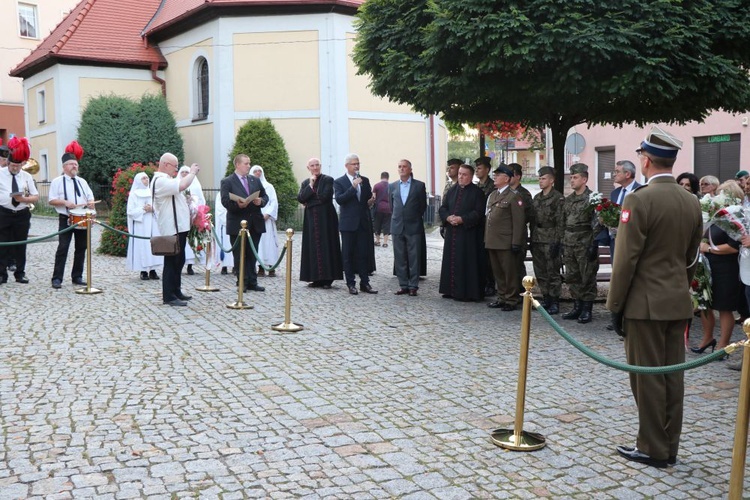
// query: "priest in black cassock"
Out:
[321,248]
[462,276]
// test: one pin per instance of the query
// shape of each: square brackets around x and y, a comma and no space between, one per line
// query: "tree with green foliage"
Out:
[558,64]
[262,143]
[116,132]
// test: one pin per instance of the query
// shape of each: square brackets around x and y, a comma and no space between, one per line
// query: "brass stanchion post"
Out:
[287,325]
[89,224]
[239,304]
[739,452]
[209,253]
[517,439]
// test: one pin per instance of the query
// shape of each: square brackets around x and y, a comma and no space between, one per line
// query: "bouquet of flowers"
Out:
[700,287]
[595,199]
[712,204]
[733,220]
[200,229]
[608,213]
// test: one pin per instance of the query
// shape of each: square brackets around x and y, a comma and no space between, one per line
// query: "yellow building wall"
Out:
[179,75]
[49,96]
[360,97]
[395,141]
[301,139]
[276,71]
[48,142]
[90,88]
[199,149]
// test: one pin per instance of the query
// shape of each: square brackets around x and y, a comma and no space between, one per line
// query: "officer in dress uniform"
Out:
[528,212]
[17,191]
[657,242]
[546,239]
[482,169]
[65,193]
[580,250]
[504,235]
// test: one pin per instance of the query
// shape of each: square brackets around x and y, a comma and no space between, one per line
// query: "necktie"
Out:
[620,198]
[14,189]
[244,184]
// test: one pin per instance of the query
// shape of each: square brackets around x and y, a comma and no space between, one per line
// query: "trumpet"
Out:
[31,166]
[26,192]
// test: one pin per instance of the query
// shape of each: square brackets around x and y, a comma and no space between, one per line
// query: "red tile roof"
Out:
[97,32]
[115,32]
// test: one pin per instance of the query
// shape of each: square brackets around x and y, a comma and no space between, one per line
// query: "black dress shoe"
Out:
[255,288]
[144,275]
[21,278]
[353,290]
[190,270]
[412,293]
[79,281]
[447,296]
[182,296]
[152,275]
[176,303]
[56,283]
[402,291]
[611,327]
[367,289]
[508,307]
[224,270]
[634,455]
[496,305]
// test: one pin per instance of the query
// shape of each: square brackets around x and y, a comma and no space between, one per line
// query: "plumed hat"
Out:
[73,151]
[19,150]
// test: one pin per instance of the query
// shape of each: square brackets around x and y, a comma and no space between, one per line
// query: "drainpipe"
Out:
[161,81]
[432,154]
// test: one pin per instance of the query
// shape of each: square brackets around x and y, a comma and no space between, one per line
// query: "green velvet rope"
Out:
[38,239]
[644,370]
[123,232]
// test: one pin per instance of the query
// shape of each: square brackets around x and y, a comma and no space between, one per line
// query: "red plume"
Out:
[19,149]
[75,148]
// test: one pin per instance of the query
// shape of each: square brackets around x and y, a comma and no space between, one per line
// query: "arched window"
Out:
[201,89]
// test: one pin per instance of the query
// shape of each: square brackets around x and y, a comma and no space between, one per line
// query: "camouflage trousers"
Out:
[547,270]
[580,273]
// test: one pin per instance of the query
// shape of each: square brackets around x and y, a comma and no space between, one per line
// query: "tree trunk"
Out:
[559,127]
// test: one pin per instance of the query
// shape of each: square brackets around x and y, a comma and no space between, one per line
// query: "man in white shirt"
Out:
[65,193]
[173,217]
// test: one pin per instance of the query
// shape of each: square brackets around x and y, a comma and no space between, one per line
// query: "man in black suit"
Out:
[408,199]
[354,196]
[624,175]
[243,185]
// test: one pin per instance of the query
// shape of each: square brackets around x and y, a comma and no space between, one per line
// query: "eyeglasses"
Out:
[705,183]
[615,172]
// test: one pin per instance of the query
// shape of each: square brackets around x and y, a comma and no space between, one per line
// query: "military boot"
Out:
[575,312]
[586,312]
[553,306]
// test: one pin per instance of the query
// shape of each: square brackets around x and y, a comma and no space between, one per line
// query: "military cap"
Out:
[503,169]
[546,171]
[454,161]
[579,168]
[660,143]
[483,160]
[741,174]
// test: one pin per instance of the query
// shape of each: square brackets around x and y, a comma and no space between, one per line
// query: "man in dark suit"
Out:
[624,175]
[408,200]
[243,185]
[354,196]
[657,241]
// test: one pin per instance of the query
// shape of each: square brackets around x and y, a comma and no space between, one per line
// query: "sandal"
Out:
[385,245]
[377,243]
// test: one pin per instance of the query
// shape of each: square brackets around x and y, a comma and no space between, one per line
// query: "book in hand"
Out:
[247,199]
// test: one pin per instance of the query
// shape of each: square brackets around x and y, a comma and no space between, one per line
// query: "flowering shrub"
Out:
[113,243]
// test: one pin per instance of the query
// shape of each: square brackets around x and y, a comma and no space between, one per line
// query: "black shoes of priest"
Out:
[634,455]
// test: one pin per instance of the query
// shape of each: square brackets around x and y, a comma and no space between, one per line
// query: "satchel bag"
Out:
[166,246]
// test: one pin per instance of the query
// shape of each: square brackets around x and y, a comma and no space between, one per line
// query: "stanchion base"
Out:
[207,288]
[287,327]
[88,291]
[239,305]
[506,438]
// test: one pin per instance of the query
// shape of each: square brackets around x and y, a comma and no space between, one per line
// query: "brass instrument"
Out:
[31,166]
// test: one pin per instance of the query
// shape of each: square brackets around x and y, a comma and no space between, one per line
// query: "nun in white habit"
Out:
[194,195]
[226,258]
[140,223]
[268,248]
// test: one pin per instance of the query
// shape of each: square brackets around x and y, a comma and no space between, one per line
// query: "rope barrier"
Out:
[646,370]
[122,232]
[217,240]
[257,257]
[37,239]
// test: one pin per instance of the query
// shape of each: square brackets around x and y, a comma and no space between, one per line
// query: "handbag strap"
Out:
[174,208]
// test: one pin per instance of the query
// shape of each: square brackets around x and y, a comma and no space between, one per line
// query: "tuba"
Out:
[31,166]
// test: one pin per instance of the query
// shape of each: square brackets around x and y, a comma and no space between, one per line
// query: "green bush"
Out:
[262,143]
[113,243]
[116,131]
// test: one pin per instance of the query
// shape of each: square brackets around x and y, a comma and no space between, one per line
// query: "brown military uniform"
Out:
[505,227]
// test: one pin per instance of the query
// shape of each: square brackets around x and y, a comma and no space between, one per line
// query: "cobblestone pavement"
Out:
[117,396]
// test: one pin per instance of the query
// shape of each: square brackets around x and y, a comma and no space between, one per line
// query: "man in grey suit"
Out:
[408,199]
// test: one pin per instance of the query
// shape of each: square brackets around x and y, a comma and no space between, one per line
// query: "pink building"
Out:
[720,146]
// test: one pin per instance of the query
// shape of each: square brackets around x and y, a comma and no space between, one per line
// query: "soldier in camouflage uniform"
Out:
[452,172]
[486,184]
[581,253]
[546,239]
[528,212]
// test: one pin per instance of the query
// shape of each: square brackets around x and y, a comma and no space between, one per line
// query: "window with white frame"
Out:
[28,20]
[41,106]
[44,164]
[200,101]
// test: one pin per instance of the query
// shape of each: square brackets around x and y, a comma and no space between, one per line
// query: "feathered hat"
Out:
[19,149]
[73,151]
